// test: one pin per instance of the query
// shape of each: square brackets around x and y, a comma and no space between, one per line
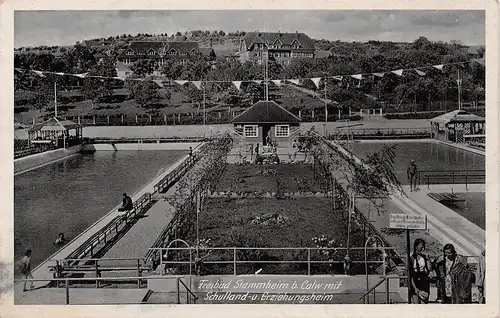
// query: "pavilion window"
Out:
[250,131]
[282,131]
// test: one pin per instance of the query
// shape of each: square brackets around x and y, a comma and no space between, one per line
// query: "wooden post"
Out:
[312,114]
[179,118]
[108,119]
[94,119]
[149,117]
[122,118]
[300,114]
[136,119]
[78,120]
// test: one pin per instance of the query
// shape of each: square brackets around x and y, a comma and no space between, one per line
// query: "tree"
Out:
[143,67]
[95,88]
[145,93]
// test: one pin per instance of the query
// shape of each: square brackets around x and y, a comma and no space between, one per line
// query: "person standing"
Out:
[454,278]
[480,274]
[412,173]
[25,265]
[419,273]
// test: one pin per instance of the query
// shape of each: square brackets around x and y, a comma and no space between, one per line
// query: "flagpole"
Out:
[55,99]
[459,83]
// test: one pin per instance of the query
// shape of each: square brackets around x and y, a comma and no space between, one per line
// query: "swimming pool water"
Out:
[473,209]
[70,195]
[428,155]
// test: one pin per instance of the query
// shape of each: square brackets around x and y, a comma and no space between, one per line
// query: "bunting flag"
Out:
[419,72]
[398,72]
[159,83]
[197,84]
[39,73]
[237,84]
[278,82]
[439,67]
[316,80]
[82,75]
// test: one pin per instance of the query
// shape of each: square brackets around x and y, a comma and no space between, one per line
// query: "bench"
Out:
[445,197]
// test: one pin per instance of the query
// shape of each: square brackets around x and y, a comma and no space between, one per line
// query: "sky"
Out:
[33,28]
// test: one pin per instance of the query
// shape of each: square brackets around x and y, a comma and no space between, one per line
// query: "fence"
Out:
[451,177]
[101,140]
[378,133]
[190,296]
[236,260]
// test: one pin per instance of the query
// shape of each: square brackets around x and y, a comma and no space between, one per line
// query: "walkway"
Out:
[445,224]
[136,242]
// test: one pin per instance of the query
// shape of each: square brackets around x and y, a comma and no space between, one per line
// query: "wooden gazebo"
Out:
[458,126]
[59,132]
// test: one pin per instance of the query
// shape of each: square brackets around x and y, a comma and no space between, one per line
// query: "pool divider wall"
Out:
[40,159]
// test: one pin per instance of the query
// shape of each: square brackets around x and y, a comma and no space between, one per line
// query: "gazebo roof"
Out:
[266,112]
[20,125]
[457,116]
[55,124]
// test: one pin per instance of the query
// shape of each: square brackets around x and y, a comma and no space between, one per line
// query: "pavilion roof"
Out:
[457,116]
[266,112]
[55,124]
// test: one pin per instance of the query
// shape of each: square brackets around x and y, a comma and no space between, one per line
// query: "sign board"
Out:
[407,222]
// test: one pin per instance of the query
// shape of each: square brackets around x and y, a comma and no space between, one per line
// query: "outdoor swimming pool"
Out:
[428,155]
[70,195]
[473,209]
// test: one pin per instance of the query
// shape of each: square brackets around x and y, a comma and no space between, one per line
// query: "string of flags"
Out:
[278,82]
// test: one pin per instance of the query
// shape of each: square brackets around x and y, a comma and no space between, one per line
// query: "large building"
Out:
[159,51]
[281,47]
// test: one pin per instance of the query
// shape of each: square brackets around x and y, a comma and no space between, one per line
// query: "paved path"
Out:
[444,224]
[136,242]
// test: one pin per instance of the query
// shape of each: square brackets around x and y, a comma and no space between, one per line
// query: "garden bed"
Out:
[284,178]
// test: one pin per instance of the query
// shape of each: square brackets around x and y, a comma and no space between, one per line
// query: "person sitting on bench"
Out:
[127,204]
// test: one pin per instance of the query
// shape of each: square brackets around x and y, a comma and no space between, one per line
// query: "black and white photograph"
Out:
[250,157]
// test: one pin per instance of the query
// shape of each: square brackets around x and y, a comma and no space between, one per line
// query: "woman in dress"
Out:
[447,265]
[419,273]
[25,265]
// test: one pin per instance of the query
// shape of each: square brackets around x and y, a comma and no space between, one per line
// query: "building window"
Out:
[250,131]
[151,52]
[130,52]
[282,131]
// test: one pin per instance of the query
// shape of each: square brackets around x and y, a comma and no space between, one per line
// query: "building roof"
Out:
[457,116]
[55,124]
[163,47]
[286,38]
[266,112]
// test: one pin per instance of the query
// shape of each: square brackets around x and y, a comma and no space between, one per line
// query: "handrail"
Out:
[375,286]
[188,291]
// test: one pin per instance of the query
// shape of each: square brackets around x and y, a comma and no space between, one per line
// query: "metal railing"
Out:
[101,238]
[451,177]
[386,132]
[144,140]
[232,258]
[190,296]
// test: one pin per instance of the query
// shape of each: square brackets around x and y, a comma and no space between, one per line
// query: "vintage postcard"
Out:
[262,159]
